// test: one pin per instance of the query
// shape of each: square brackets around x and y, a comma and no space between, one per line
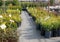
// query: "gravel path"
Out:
[28,32]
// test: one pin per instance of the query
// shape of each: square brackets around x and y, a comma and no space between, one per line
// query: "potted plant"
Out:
[56,29]
[47,26]
[54,33]
[58,32]
[47,29]
[48,32]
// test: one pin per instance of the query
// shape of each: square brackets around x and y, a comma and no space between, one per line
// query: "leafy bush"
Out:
[14,7]
[8,34]
[48,21]
[15,14]
[8,2]
[33,4]
[14,2]
[13,11]
[8,24]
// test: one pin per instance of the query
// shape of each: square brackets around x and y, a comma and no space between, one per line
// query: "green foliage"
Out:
[8,24]
[33,4]
[48,21]
[14,7]
[7,3]
[1,3]
[15,2]
[8,34]
[51,2]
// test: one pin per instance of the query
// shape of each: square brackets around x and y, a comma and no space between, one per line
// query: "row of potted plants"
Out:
[9,22]
[48,23]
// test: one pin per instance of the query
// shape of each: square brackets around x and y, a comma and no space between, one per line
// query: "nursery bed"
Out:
[47,23]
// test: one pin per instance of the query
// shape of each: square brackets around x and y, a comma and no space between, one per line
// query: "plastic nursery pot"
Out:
[54,33]
[48,34]
[42,32]
[38,26]
[33,18]
[59,32]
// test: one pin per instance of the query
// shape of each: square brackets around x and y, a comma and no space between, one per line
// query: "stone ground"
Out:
[28,32]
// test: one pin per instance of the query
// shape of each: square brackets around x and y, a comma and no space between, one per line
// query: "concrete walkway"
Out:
[28,32]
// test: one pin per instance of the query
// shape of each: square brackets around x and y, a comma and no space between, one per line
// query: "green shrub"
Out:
[48,21]
[8,24]
[8,2]
[8,34]
[14,2]
[14,7]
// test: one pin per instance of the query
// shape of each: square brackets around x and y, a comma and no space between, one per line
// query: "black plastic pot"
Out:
[38,26]
[42,32]
[48,34]
[59,32]
[24,9]
[54,33]
[33,18]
